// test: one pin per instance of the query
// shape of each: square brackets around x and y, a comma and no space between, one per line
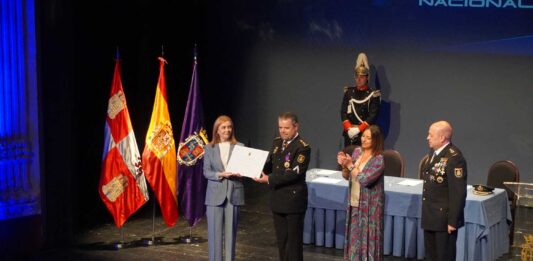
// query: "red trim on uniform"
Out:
[346,125]
[363,126]
[362,88]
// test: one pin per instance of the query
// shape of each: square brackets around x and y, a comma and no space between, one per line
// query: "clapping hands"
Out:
[343,159]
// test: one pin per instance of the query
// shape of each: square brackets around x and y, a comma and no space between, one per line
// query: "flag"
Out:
[159,155]
[122,185]
[191,181]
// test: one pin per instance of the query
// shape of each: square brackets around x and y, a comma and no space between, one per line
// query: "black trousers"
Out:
[289,233]
[440,246]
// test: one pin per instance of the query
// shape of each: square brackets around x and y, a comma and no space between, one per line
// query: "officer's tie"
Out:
[433,157]
[284,145]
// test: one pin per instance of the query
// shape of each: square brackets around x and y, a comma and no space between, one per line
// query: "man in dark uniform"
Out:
[284,171]
[360,104]
[444,193]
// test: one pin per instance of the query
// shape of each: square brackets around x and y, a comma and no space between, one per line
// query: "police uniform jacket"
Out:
[444,192]
[286,170]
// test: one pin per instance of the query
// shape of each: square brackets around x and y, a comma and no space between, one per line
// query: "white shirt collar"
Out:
[437,152]
[296,136]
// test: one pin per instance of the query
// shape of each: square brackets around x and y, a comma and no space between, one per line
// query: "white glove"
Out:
[352,132]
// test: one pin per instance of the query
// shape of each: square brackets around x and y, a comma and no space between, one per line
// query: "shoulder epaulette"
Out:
[346,88]
[376,93]
[304,143]
[277,138]
[452,151]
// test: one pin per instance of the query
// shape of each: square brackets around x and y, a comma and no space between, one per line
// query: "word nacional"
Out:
[518,4]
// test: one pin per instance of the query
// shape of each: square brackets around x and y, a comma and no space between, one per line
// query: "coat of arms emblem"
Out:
[192,149]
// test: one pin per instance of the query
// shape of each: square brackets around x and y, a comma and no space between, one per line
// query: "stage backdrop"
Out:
[468,62]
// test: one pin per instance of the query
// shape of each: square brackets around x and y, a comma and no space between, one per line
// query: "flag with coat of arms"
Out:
[122,185]
[193,138]
[159,155]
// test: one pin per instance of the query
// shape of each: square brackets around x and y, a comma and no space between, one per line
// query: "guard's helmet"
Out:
[361,65]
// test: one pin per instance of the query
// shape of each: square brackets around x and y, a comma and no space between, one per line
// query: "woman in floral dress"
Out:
[364,215]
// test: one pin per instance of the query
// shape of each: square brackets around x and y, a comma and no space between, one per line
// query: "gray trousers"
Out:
[222,227]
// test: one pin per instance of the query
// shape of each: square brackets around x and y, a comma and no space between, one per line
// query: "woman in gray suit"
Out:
[225,192]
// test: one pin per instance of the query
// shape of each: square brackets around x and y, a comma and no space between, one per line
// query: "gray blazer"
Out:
[220,189]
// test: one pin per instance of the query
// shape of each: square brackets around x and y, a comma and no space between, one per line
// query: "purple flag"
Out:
[191,181]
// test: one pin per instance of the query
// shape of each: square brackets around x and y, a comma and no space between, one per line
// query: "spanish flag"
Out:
[159,155]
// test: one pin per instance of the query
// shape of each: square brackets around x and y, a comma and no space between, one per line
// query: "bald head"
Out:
[439,134]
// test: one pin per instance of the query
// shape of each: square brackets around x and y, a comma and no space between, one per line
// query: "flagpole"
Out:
[121,204]
[153,223]
[190,239]
[120,244]
[151,242]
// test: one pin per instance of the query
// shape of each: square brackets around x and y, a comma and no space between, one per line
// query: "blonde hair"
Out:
[215,138]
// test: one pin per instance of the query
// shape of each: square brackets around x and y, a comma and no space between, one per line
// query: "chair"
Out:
[422,162]
[502,171]
[527,248]
[393,163]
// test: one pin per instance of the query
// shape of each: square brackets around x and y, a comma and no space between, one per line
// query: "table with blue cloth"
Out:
[484,236]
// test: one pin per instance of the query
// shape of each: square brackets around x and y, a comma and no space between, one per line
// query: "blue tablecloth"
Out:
[484,236]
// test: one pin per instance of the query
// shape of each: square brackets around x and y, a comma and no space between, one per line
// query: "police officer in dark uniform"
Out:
[360,104]
[284,171]
[444,193]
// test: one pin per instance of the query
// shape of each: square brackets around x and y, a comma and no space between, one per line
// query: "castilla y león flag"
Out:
[122,184]
[159,155]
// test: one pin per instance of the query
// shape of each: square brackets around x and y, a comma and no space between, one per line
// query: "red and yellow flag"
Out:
[122,184]
[159,155]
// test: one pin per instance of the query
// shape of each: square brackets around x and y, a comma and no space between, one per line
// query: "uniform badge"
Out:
[440,179]
[297,169]
[300,159]
[275,150]
[458,172]
[286,164]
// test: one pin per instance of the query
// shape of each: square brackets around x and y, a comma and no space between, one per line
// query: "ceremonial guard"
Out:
[360,104]
[444,193]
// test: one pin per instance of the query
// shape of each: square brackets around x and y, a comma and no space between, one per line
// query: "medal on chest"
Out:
[439,169]
[287,163]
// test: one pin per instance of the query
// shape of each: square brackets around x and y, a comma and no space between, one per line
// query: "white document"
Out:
[327,180]
[410,182]
[325,172]
[248,162]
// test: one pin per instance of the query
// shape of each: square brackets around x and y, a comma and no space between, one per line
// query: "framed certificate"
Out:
[248,162]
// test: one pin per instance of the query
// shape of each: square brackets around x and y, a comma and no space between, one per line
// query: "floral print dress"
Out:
[364,224]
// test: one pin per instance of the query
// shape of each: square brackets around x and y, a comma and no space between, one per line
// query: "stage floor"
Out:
[255,239]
